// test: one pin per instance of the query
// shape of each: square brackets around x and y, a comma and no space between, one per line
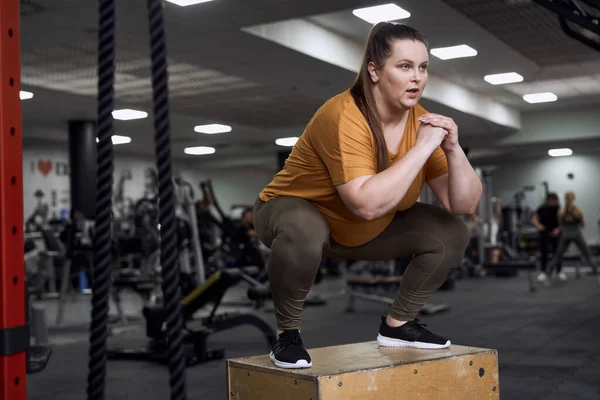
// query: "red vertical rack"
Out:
[14,333]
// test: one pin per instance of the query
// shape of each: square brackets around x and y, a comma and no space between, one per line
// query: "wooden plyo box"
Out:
[365,371]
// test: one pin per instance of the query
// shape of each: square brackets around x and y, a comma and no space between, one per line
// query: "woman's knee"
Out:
[307,234]
[461,231]
[293,223]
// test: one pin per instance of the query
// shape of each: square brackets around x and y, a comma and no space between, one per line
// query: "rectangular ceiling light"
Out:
[448,53]
[23,95]
[211,129]
[560,152]
[118,139]
[503,79]
[384,12]
[540,97]
[127,114]
[184,3]
[199,150]
[286,142]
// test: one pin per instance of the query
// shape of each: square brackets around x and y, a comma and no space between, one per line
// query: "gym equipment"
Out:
[499,235]
[578,19]
[194,339]
[18,357]
[41,269]
[185,195]
[228,250]
[368,372]
[38,353]
[122,206]
[103,238]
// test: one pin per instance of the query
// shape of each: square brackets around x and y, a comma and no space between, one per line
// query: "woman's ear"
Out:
[373,72]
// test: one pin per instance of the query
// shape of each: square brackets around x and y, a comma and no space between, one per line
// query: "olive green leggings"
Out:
[298,237]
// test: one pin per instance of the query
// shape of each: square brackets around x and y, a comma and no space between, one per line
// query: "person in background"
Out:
[245,238]
[247,224]
[571,221]
[545,219]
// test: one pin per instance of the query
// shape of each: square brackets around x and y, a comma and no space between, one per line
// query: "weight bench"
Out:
[514,266]
[133,279]
[196,349]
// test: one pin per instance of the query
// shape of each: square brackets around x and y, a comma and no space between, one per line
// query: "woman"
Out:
[571,221]
[349,190]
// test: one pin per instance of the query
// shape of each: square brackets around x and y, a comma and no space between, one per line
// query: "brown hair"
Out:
[377,50]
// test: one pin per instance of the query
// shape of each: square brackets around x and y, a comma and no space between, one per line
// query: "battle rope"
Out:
[168,243]
[102,237]
[103,240]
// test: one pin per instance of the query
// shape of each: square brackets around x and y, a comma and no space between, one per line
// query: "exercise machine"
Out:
[39,351]
[186,213]
[195,338]
[494,252]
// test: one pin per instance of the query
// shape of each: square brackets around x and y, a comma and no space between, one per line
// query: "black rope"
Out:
[102,237]
[168,242]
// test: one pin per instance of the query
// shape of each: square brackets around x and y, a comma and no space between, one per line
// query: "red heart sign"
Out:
[44,167]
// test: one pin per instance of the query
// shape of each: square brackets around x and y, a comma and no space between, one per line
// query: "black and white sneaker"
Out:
[288,351]
[411,334]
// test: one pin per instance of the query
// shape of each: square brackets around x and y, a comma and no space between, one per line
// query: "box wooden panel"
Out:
[365,371]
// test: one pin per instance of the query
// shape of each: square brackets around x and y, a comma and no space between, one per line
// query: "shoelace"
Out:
[416,326]
[286,339]
[417,322]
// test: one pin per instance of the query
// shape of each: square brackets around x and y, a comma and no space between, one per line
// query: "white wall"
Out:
[556,125]
[586,170]
[46,169]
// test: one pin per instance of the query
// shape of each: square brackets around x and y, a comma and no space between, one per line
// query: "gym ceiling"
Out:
[264,66]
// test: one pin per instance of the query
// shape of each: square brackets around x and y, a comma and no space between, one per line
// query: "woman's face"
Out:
[403,77]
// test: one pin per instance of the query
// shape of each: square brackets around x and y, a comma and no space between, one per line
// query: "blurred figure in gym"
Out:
[571,220]
[545,219]
[247,224]
[78,249]
[248,244]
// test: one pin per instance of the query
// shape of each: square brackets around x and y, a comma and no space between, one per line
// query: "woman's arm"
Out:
[464,186]
[460,190]
[371,197]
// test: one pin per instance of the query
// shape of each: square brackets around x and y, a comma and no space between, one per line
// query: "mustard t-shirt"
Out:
[336,147]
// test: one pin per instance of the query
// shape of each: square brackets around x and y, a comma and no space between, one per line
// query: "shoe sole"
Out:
[390,342]
[297,364]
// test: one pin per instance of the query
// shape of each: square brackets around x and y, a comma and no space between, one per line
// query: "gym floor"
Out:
[547,341]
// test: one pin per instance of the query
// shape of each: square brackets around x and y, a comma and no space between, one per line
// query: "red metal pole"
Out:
[13,357]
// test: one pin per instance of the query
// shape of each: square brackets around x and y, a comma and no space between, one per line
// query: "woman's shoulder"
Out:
[339,110]
[340,104]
